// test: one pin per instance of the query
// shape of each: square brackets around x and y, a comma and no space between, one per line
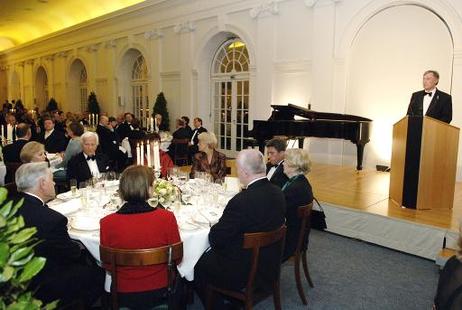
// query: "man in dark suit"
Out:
[110,143]
[186,125]
[11,151]
[88,163]
[69,273]
[54,140]
[181,133]
[274,169]
[198,129]
[431,101]
[258,208]
[124,129]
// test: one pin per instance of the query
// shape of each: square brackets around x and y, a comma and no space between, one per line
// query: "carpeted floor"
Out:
[349,274]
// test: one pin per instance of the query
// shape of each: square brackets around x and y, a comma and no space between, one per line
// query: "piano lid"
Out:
[287,112]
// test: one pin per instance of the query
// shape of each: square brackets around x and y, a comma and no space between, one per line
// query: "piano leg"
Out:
[300,143]
[359,156]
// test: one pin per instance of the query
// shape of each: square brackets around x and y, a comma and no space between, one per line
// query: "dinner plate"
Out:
[66,208]
[68,195]
[85,223]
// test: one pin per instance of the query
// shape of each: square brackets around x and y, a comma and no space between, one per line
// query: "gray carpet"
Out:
[349,274]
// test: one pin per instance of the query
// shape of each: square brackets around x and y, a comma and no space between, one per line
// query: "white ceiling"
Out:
[25,20]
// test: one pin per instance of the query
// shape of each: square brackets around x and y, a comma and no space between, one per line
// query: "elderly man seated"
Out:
[260,207]
[69,273]
[88,163]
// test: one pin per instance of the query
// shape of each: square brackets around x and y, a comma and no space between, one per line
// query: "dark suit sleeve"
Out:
[60,244]
[411,109]
[228,227]
[72,168]
[446,113]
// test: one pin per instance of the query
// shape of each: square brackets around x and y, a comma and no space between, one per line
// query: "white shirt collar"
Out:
[255,180]
[33,195]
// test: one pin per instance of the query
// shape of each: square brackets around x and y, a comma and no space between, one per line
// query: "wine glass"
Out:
[73,185]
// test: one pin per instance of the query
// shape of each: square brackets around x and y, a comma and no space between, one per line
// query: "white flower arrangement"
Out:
[164,190]
[165,136]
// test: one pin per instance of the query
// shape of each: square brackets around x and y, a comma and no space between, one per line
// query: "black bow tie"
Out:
[430,94]
[91,157]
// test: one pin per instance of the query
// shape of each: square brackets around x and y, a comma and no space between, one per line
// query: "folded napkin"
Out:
[67,207]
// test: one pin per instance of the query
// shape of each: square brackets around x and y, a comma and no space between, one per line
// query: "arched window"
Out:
[230,77]
[83,89]
[140,90]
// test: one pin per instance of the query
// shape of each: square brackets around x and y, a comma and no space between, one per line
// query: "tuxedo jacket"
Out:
[199,131]
[77,167]
[297,193]
[261,207]
[5,126]
[11,151]
[181,133]
[440,107]
[108,140]
[55,143]
[123,130]
[279,178]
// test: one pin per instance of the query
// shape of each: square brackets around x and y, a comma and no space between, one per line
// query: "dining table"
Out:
[198,206]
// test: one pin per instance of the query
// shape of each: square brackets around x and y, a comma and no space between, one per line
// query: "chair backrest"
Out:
[255,241]
[11,171]
[168,254]
[180,151]
[304,213]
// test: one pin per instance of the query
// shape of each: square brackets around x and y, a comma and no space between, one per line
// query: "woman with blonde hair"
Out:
[297,191]
[137,225]
[33,152]
[208,159]
[449,291]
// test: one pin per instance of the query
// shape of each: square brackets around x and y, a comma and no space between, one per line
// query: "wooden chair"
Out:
[180,151]
[253,242]
[115,258]
[304,213]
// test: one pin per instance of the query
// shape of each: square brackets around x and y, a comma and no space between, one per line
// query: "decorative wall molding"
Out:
[267,8]
[187,26]
[153,34]
[312,3]
[20,64]
[30,62]
[295,66]
[62,54]
[174,75]
[49,58]
[111,44]
[93,48]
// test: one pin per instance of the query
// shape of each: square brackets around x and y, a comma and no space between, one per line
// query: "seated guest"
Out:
[181,132]
[74,147]
[208,159]
[110,143]
[30,119]
[126,127]
[297,192]
[137,225]
[88,163]
[11,151]
[59,118]
[198,129]
[113,123]
[54,140]
[159,123]
[259,208]
[10,128]
[449,292]
[68,274]
[136,133]
[274,169]
[186,125]
[33,152]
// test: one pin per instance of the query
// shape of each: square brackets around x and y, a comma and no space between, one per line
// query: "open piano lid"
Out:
[287,112]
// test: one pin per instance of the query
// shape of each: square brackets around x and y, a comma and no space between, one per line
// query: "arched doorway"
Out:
[15,92]
[41,88]
[139,85]
[133,81]
[230,92]
[78,91]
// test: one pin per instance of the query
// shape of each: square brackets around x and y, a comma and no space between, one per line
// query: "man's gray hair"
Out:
[89,134]
[251,161]
[28,175]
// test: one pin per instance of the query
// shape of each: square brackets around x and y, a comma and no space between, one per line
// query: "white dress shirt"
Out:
[427,100]
[48,133]
[273,170]
[9,132]
[93,166]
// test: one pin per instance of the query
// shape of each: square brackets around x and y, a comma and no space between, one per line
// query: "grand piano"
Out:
[314,124]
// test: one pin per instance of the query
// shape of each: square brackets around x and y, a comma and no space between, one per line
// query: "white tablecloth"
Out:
[194,219]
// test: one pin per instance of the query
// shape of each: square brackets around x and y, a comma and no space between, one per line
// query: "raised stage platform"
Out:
[356,205]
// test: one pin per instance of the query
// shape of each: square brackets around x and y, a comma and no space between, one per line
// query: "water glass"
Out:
[73,185]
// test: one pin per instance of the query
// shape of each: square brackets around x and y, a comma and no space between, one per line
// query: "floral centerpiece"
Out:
[165,136]
[164,191]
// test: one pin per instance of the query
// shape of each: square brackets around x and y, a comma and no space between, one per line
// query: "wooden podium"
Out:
[423,163]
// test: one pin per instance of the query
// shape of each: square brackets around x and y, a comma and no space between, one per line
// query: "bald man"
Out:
[260,207]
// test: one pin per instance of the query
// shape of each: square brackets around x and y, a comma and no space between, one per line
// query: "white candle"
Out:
[3,132]
[142,154]
[89,119]
[156,156]
[138,154]
[152,124]
[97,119]
[148,155]
[156,129]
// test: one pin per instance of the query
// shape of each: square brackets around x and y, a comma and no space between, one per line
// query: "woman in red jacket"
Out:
[137,226]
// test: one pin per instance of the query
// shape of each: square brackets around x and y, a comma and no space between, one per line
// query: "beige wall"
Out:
[337,55]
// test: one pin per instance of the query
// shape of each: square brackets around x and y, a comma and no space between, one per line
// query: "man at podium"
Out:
[431,101]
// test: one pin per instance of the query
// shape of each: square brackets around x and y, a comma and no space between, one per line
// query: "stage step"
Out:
[444,255]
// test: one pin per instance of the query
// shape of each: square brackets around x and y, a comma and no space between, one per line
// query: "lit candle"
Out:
[156,156]
[142,154]
[97,119]
[3,132]
[89,119]
[152,124]
[138,154]
[148,154]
